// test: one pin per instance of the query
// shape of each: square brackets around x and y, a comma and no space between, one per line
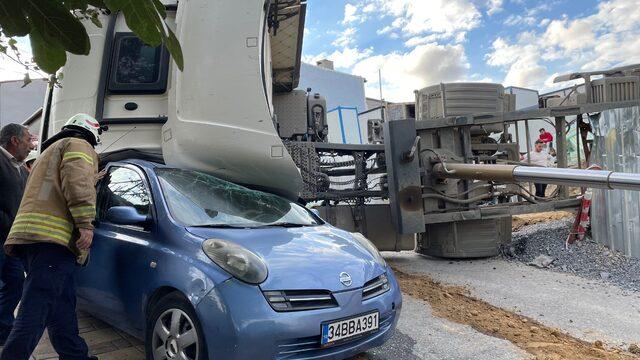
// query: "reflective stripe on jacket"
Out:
[59,198]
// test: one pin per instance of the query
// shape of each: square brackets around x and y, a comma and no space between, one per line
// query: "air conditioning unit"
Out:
[400,111]
[614,89]
[455,99]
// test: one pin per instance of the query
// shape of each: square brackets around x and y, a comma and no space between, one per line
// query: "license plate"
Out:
[338,331]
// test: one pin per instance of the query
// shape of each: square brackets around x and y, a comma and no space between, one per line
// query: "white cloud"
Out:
[385,30]
[515,19]
[610,37]
[526,72]
[420,17]
[494,6]
[544,22]
[421,40]
[571,35]
[402,73]
[350,14]
[345,38]
[369,8]
[345,58]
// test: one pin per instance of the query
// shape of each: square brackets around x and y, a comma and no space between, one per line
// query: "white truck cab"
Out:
[217,115]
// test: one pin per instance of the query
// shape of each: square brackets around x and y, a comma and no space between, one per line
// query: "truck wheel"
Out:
[173,331]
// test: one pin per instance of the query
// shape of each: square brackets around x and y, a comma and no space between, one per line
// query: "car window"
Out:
[123,187]
[198,199]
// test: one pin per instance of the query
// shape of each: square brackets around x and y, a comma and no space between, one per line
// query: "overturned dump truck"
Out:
[450,179]
[437,183]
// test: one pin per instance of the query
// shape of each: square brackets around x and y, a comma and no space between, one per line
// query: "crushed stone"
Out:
[585,258]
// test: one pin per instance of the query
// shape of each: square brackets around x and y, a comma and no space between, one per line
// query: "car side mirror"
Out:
[126,215]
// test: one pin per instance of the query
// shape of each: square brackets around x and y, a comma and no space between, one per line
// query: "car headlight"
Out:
[367,244]
[235,259]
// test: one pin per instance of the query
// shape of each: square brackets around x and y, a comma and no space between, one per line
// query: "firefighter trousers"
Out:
[48,300]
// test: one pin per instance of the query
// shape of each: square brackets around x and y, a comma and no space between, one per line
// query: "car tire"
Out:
[173,331]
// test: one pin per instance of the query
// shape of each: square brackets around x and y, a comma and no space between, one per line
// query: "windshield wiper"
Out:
[223,226]
[285,224]
[251,226]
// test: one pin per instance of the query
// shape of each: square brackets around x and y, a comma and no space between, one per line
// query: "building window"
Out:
[137,68]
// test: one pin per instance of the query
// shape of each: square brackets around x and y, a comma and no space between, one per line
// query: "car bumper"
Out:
[238,323]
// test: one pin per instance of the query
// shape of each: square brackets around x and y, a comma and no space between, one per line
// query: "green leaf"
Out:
[162,10]
[12,18]
[95,20]
[49,55]
[12,44]
[142,18]
[55,23]
[173,45]
[27,80]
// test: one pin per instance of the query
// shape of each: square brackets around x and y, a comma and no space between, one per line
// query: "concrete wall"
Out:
[18,103]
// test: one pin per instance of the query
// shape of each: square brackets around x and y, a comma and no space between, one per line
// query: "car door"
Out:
[119,266]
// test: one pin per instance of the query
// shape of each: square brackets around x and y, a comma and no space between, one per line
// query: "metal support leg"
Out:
[561,150]
[578,122]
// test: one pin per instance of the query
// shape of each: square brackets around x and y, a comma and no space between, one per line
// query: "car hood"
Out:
[303,258]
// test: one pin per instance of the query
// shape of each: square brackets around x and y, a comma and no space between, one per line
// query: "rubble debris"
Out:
[542,261]
[634,349]
[585,258]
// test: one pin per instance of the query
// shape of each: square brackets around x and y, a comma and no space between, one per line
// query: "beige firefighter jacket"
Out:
[59,198]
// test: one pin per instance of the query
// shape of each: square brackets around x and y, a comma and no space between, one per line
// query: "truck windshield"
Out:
[198,199]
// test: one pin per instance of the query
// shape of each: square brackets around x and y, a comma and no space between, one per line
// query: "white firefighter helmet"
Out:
[86,122]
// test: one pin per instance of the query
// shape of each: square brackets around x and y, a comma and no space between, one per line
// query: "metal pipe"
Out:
[602,179]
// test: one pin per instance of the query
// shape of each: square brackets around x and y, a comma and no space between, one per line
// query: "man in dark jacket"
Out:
[15,144]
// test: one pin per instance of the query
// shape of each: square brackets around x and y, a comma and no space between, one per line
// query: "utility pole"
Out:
[384,108]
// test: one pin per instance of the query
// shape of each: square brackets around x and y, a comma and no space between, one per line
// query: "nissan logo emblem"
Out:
[345,279]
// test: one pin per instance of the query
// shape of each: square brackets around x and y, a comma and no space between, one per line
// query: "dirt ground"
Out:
[455,304]
[520,221]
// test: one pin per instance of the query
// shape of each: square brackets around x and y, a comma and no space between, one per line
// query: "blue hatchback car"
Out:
[201,268]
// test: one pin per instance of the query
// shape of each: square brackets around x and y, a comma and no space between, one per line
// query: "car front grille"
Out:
[308,347]
[375,287]
[299,300]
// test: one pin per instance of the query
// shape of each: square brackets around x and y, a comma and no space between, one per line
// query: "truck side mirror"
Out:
[126,215]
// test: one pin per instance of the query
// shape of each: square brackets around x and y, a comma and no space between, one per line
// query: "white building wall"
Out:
[527,99]
[17,103]
[345,99]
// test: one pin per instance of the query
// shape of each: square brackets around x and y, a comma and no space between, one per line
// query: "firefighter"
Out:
[52,234]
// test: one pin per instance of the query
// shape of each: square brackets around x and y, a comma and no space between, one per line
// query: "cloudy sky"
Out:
[423,42]
[515,42]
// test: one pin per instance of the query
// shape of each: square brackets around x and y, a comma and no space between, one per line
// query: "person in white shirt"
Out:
[538,157]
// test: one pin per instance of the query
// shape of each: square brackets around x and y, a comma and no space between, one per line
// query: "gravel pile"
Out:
[543,245]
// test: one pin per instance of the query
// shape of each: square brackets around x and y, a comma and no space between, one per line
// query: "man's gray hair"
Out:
[9,131]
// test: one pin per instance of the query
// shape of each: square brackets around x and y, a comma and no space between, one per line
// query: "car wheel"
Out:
[173,331]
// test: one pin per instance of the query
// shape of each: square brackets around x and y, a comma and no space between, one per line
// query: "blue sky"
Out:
[417,43]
